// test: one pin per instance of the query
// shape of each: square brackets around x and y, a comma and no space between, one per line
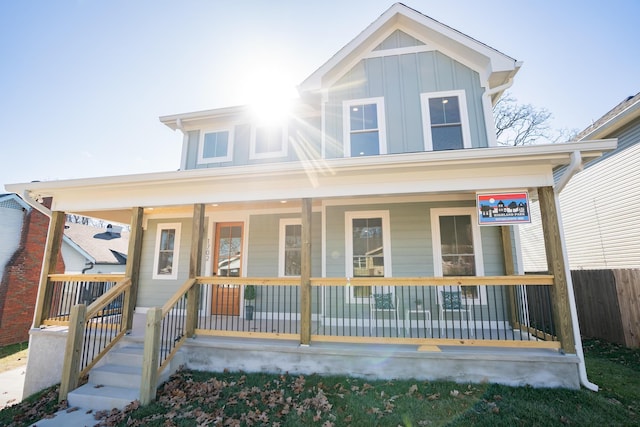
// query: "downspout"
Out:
[90,266]
[574,166]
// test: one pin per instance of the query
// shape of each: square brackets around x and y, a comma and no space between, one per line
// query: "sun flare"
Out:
[271,94]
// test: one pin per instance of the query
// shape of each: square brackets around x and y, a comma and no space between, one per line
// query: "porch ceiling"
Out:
[486,169]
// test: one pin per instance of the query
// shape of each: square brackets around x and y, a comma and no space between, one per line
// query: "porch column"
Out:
[305,274]
[557,267]
[49,261]
[195,261]
[132,270]
[509,270]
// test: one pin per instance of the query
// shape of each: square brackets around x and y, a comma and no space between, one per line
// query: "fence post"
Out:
[305,273]
[73,351]
[556,266]
[150,357]
[51,252]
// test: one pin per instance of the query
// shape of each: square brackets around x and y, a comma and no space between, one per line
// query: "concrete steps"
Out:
[116,383]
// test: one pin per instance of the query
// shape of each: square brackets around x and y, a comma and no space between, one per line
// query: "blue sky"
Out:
[83,82]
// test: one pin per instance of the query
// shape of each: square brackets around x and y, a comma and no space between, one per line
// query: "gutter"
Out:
[575,166]
[26,196]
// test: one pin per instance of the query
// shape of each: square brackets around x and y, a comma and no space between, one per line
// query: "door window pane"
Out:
[292,250]
[458,255]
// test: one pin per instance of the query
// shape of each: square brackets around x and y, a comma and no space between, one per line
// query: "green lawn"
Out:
[196,398]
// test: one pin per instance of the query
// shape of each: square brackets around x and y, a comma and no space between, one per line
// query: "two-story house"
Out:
[345,239]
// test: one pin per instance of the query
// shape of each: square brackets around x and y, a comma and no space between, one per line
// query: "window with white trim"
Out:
[290,247]
[368,249]
[215,146]
[364,127]
[457,248]
[167,251]
[445,120]
[268,141]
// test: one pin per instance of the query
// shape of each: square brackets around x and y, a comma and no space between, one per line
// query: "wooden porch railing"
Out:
[93,331]
[492,310]
[66,290]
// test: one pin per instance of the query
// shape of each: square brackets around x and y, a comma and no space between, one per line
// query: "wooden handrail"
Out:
[177,295]
[86,277]
[529,279]
[107,297]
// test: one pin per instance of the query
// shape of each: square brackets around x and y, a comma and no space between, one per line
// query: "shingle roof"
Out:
[104,247]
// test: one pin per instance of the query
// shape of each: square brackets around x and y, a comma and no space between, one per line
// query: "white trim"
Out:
[399,50]
[185,150]
[349,216]
[226,158]
[282,242]
[426,118]
[176,251]
[346,126]
[271,154]
[489,119]
[435,214]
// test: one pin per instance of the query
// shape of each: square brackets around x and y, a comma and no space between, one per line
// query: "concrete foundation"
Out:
[513,367]
[45,360]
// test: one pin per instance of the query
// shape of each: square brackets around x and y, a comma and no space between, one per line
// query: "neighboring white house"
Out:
[601,203]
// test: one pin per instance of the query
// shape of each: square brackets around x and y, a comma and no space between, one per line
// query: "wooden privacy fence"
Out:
[608,304]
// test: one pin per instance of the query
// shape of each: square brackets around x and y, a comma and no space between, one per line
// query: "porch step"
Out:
[116,383]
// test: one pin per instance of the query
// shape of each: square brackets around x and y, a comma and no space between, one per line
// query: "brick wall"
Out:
[19,287]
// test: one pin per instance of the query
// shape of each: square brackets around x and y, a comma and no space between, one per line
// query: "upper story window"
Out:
[364,129]
[165,265]
[290,247]
[268,141]
[215,146]
[446,125]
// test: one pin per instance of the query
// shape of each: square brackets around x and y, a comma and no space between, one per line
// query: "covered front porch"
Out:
[396,301]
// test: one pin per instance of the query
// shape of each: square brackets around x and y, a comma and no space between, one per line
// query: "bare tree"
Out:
[525,124]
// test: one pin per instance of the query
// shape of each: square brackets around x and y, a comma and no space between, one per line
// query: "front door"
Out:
[227,262]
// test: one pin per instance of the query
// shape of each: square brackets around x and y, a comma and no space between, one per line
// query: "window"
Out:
[364,130]
[457,247]
[368,249]
[446,126]
[215,146]
[268,142]
[167,252]
[290,247]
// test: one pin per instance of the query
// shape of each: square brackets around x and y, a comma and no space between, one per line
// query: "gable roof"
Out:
[616,118]
[97,244]
[495,68]
[13,201]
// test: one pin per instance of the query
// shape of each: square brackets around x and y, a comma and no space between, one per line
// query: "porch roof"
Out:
[482,169]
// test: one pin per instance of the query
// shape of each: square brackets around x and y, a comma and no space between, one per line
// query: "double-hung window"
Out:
[167,251]
[215,146]
[364,127]
[457,248]
[290,247]
[368,249]
[445,121]
[268,141]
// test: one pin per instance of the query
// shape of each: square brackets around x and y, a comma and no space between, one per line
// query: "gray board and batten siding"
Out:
[400,79]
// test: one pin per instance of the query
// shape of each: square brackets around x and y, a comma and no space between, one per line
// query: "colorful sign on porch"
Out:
[503,208]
